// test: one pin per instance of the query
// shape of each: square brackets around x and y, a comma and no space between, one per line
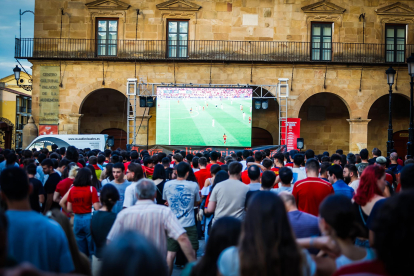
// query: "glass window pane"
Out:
[113,26]
[101,50]
[183,27]
[326,42]
[326,55]
[390,56]
[172,38]
[390,32]
[112,50]
[316,54]
[401,33]
[172,51]
[327,30]
[172,27]
[316,30]
[183,52]
[400,56]
[183,39]
[112,35]
[102,37]
[101,25]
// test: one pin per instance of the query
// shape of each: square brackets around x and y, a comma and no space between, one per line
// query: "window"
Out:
[107,36]
[177,39]
[321,41]
[395,43]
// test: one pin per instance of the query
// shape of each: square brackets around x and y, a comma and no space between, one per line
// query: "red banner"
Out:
[293,132]
[48,129]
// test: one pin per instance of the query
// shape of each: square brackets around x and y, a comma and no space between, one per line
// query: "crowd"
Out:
[89,212]
[203,93]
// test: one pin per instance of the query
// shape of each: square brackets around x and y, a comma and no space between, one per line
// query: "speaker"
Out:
[300,143]
[150,102]
[110,141]
[257,104]
[142,101]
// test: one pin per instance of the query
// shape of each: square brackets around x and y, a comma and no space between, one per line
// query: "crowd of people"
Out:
[202,93]
[83,211]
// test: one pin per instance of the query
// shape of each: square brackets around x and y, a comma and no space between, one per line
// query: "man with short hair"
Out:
[311,191]
[244,175]
[351,176]
[324,170]
[394,166]
[304,225]
[285,177]
[258,157]
[268,181]
[228,197]
[336,159]
[364,159]
[148,167]
[203,173]
[31,237]
[309,154]
[266,164]
[278,160]
[93,160]
[213,159]
[182,196]
[155,222]
[177,158]
[37,196]
[298,172]
[335,177]
[120,184]
[245,154]
[254,175]
[134,173]
[375,153]
[50,185]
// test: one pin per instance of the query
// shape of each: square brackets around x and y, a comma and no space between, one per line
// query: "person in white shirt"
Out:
[134,173]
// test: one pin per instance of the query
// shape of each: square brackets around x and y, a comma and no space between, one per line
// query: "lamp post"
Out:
[16,72]
[390,80]
[410,62]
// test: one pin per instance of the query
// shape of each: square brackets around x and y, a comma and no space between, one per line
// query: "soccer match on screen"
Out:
[204,116]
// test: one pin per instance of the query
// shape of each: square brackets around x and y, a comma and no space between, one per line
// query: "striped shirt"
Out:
[155,222]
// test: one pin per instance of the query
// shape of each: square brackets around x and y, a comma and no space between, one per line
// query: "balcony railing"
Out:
[210,50]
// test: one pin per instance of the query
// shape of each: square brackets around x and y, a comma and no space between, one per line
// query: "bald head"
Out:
[394,156]
[289,200]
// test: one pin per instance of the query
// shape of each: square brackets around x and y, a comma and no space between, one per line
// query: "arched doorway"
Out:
[261,137]
[6,133]
[378,126]
[120,137]
[104,109]
[323,123]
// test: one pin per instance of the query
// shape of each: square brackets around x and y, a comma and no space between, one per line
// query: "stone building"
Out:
[334,52]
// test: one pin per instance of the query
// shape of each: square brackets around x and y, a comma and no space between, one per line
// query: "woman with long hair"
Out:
[107,175]
[95,182]
[224,233]
[101,223]
[214,169]
[81,197]
[267,245]
[159,179]
[370,190]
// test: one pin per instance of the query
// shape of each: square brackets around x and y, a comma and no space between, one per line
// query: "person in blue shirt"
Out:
[31,237]
[10,161]
[336,178]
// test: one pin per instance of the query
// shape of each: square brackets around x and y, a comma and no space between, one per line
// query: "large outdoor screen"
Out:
[204,116]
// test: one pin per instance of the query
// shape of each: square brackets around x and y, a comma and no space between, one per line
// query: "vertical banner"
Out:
[49,95]
[293,132]
[48,129]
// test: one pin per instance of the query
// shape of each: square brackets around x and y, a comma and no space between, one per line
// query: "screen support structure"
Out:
[142,89]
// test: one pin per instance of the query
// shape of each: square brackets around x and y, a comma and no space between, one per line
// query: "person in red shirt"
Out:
[213,159]
[203,173]
[311,191]
[244,176]
[64,185]
[82,196]
[148,167]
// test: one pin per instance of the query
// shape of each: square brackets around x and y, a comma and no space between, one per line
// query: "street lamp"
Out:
[390,80]
[410,62]
[16,72]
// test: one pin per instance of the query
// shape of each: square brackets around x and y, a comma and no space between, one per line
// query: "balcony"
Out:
[209,51]
[22,109]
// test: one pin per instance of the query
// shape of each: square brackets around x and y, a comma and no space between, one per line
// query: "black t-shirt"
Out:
[160,191]
[34,196]
[248,196]
[361,219]
[50,188]
[372,161]
[101,224]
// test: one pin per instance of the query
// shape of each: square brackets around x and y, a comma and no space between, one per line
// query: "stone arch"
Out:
[378,114]
[7,133]
[348,100]
[103,109]
[324,124]
[374,97]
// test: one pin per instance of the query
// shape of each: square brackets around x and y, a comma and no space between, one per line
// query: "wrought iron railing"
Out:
[210,50]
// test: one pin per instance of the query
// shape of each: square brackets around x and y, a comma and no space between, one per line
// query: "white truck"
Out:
[80,141]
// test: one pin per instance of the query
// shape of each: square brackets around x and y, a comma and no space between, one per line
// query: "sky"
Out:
[9,30]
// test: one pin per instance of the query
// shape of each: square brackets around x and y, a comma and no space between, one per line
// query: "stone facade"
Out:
[353,89]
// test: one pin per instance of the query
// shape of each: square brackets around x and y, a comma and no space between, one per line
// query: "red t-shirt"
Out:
[389,178]
[219,163]
[276,170]
[245,178]
[201,176]
[82,199]
[126,165]
[79,165]
[373,268]
[63,186]
[148,171]
[208,167]
[400,162]
[289,165]
[310,192]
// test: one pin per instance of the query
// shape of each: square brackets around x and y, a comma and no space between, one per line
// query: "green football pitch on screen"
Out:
[204,116]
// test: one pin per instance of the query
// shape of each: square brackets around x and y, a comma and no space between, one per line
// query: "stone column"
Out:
[358,134]
[142,136]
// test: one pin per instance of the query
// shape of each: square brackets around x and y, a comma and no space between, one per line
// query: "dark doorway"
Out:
[120,137]
[400,142]
[7,132]
[261,137]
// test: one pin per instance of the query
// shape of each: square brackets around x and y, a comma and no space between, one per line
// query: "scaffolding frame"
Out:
[137,89]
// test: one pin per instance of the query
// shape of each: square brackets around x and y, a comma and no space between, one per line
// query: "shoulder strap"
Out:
[362,215]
